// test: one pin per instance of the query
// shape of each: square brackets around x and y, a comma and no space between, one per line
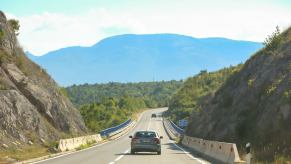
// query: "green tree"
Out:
[273,40]
[153,94]
[107,105]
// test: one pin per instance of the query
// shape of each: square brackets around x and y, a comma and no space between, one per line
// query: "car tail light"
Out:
[156,140]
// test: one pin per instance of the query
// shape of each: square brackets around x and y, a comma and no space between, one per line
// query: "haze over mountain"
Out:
[134,58]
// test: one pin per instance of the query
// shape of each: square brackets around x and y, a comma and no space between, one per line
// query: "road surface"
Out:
[117,151]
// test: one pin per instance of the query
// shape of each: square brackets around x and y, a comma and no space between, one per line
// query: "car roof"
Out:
[146,131]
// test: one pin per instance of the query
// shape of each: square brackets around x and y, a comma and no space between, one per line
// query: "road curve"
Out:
[117,151]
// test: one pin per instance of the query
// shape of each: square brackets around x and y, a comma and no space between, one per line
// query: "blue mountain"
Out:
[133,58]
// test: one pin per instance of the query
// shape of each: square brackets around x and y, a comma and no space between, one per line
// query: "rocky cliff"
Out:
[32,107]
[253,105]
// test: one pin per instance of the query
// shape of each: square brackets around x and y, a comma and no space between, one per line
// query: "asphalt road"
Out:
[117,151]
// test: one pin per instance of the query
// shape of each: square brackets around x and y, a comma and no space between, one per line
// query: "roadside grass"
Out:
[280,159]
[178,140]
[87,145]
[23,153]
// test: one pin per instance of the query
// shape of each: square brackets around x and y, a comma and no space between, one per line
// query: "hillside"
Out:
[153,94]
[135,58]
[32,108]
[253,105]
[107,105]
[186,99]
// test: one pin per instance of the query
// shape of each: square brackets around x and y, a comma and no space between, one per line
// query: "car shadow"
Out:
[139,153]
[172,147]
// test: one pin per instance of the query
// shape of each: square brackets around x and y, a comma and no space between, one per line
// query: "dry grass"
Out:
[87,145]
[23,153]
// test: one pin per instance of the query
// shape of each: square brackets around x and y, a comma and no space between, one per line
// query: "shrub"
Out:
[251,82]
[287,96]
[1,37]
[14,25]
[84,146]
[4,57]
[2,87]
[63,91]
[52,144]
[273,41]
[271,89]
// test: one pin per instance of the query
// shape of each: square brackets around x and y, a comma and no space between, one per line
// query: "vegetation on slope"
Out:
[110,112]
[253,105]
[154,94]
[185,100]
[106,105]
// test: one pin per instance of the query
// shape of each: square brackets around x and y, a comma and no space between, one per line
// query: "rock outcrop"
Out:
[32,106]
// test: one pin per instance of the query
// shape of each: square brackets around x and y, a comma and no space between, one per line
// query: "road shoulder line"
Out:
[188,153]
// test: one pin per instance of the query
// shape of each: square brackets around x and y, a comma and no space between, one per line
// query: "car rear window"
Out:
[145,134]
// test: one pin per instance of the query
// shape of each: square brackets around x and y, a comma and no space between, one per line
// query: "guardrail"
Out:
[221,152]
[178,129]
[111,131]
[172,130]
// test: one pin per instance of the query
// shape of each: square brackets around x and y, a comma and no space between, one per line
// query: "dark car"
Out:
[154,115]
[146,141]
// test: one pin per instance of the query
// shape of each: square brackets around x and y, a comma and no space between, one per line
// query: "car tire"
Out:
[132,152]
[159,152]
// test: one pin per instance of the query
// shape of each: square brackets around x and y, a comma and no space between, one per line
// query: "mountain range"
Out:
[149,57]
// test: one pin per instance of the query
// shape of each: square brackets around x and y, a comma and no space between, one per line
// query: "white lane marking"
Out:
[188,153]
[69,153]
[59,156]
[149,124]
[119,157]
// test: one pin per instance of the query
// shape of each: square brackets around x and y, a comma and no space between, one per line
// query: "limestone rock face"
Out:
[8,42]
[32,107]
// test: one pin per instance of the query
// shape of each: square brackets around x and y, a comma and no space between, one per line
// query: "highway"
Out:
[117,151]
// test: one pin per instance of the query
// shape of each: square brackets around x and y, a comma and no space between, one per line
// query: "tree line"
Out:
[107,105]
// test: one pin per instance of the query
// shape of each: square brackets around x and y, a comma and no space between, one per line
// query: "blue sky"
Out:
[47,25]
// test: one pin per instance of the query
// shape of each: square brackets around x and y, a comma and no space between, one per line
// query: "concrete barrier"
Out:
[218,151]
[73,143]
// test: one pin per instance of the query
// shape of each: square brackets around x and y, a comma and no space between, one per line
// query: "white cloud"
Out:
[49,31]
